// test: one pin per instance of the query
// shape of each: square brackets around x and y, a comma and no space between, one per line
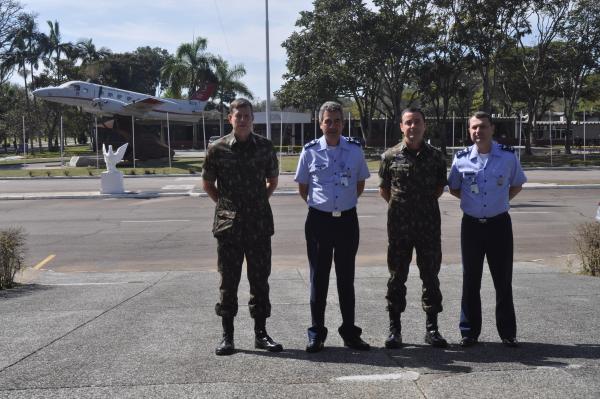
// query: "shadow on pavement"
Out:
[21,290]
[454,359]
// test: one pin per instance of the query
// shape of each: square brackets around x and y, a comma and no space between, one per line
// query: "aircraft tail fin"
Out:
[204,93]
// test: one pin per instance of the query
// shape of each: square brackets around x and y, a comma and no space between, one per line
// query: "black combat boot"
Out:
[432,335]
[226,346]
[394,340]
[262,339]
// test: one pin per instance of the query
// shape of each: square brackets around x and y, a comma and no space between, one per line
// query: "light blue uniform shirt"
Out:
[332,173]
[484,186]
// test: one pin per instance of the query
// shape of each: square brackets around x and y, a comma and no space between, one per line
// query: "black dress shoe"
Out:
[263,341]
[226,347]
[510,342]
[394,340]
[356,343]
[466,342]
[314,345]
[435,339]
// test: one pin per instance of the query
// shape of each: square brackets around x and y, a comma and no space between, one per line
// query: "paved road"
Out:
[174,233]
[126,309]
[187,184]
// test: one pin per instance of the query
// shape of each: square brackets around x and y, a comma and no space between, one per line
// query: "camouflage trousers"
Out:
[231,253]
[429,258]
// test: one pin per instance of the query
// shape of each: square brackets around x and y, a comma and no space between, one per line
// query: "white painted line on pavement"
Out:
[512,212]
[188,178]
[157,221]
[178,187]
[405,375]
[82,284]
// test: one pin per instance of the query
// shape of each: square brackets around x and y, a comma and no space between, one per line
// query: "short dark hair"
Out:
[240,103]
[330,106]
[412,110]
[481,115]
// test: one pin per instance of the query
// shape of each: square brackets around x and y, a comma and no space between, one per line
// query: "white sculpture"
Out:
[113,158]
[112,179]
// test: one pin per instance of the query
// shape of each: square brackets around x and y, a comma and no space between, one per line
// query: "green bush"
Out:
[12,255]
[587,239]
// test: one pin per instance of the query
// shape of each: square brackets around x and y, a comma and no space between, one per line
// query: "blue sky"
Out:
[235,29]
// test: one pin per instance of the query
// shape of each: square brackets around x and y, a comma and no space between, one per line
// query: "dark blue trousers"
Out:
[493,239]
[332,238]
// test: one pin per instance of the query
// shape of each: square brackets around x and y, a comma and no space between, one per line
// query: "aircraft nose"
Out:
[45,92]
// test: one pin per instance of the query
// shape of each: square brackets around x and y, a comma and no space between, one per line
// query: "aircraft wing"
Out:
[146,104]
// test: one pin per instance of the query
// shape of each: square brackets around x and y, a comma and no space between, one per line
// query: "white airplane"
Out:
[106,100]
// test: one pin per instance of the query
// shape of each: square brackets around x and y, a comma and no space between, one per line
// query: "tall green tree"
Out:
[190,69]
[580,57]
[229,85]
[330,57]
[403,39]
[441,74]
[546,20]
[486,28]
[55,48]
[137,71]
[10,11]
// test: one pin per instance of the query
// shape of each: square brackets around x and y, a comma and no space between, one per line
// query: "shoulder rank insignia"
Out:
[311,143]
[354,140]
[505,147]
[462,153]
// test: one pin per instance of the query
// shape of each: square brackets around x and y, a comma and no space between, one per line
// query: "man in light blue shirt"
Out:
[486,176]
[331,176]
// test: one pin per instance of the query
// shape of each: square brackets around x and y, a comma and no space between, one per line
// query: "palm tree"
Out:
[229,85]
[54,45]
[190,68]
[26,49]
[90,56]
[87,52]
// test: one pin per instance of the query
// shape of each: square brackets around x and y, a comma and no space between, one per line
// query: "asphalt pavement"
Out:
[92,335]
[153,334]
[142,186]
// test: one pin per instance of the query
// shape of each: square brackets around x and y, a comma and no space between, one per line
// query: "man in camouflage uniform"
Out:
[412,178]
[240,173]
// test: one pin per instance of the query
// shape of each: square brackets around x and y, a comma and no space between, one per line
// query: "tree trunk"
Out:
[568,136]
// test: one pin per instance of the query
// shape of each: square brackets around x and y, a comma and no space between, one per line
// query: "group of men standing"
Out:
[241,172]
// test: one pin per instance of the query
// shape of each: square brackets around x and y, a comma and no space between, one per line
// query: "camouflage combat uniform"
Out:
[243,223]
[413,221]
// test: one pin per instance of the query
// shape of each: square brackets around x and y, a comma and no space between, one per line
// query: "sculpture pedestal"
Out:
[111,183]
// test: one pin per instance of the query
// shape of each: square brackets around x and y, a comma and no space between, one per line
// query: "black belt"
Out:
[334,214]
[485,220]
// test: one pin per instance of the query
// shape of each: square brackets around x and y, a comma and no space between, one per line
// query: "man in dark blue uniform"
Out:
[331,176]
[486,176]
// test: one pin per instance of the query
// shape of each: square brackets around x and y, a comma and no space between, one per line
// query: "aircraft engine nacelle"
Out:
[108,106]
